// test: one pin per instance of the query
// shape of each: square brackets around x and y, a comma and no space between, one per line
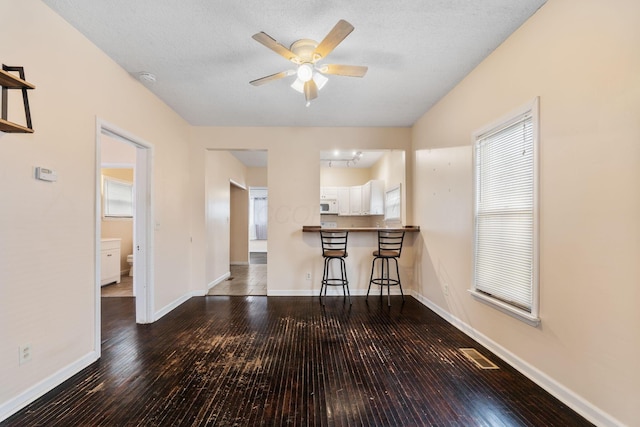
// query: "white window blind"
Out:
[118,198]
[392,203]
[504,258]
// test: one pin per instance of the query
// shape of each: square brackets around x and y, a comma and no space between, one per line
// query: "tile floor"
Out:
[245,280]
[122,289]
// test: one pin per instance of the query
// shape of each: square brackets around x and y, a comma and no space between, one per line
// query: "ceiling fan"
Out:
[306,54]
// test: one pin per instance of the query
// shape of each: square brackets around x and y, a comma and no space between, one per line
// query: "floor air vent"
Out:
[482,362]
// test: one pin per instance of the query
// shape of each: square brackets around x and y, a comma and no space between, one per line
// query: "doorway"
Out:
[258,224]
[247,277]
[141,236]
[118,212]
[244,271]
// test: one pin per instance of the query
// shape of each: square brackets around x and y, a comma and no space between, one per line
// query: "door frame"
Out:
[142,224]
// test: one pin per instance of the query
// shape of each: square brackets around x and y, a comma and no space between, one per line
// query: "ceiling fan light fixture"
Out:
[305,72]
[320,80]
[298,84]
[305,53]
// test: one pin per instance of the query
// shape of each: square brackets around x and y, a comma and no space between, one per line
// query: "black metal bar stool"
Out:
[334,247]
[389,247]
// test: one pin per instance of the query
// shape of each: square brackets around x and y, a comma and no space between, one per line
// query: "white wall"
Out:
[582,58]
[48,230]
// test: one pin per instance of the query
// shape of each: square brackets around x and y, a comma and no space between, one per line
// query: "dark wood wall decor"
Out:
[9,81]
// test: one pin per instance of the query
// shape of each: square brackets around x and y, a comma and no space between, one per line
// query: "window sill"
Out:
[528,318]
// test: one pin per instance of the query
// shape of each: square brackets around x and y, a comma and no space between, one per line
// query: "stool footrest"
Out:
[335,282]
[385,282]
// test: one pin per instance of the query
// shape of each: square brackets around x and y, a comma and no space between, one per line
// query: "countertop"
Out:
[316,228]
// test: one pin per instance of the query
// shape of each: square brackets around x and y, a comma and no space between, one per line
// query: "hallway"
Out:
[245,280]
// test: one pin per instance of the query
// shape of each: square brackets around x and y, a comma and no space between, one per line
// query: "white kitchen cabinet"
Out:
[328,193]
[361,200]
[355,200]
[373,198]
[366,199]
[343,200]
[109,261]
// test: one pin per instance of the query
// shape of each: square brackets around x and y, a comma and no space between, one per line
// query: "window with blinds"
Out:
[392,204]
[117,198]
[505,255]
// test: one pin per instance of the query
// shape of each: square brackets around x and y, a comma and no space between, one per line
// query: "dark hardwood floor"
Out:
[289,361]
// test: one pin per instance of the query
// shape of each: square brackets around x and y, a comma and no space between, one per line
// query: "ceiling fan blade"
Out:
[344,70]
[310,90]
[272,77]
[341,30]
[272,44]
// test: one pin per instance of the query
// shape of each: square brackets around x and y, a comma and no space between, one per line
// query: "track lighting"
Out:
[348,161]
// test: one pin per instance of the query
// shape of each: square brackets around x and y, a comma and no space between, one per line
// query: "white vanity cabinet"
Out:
[109,261]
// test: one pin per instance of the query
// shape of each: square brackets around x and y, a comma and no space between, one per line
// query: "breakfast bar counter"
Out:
[316,228]
[363,241]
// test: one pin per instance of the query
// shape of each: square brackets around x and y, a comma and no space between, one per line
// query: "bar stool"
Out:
[334,247]
[389,247]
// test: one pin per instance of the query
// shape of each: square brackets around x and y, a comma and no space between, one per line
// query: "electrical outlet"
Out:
[445,289]
[24,354]
[308,276]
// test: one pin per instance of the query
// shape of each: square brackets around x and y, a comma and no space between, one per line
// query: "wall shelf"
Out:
[10,127]
[9,81]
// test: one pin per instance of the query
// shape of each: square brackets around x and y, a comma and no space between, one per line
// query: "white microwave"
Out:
[328,206]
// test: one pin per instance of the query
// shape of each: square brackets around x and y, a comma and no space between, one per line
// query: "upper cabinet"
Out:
[373,197]
[8,81]
[344,200]
[367,199]
[328,193]
[355,200]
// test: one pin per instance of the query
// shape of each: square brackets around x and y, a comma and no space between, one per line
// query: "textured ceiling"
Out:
[203,56]
[338,159]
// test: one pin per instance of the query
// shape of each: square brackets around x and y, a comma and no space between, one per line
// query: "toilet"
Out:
[130,261]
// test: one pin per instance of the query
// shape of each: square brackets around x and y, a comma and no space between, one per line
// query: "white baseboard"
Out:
[576,402]
[220,279]
[172,305]
[15,404]
[289,293]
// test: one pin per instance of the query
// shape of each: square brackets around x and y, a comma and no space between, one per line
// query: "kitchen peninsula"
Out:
[362,242]
[316,228]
